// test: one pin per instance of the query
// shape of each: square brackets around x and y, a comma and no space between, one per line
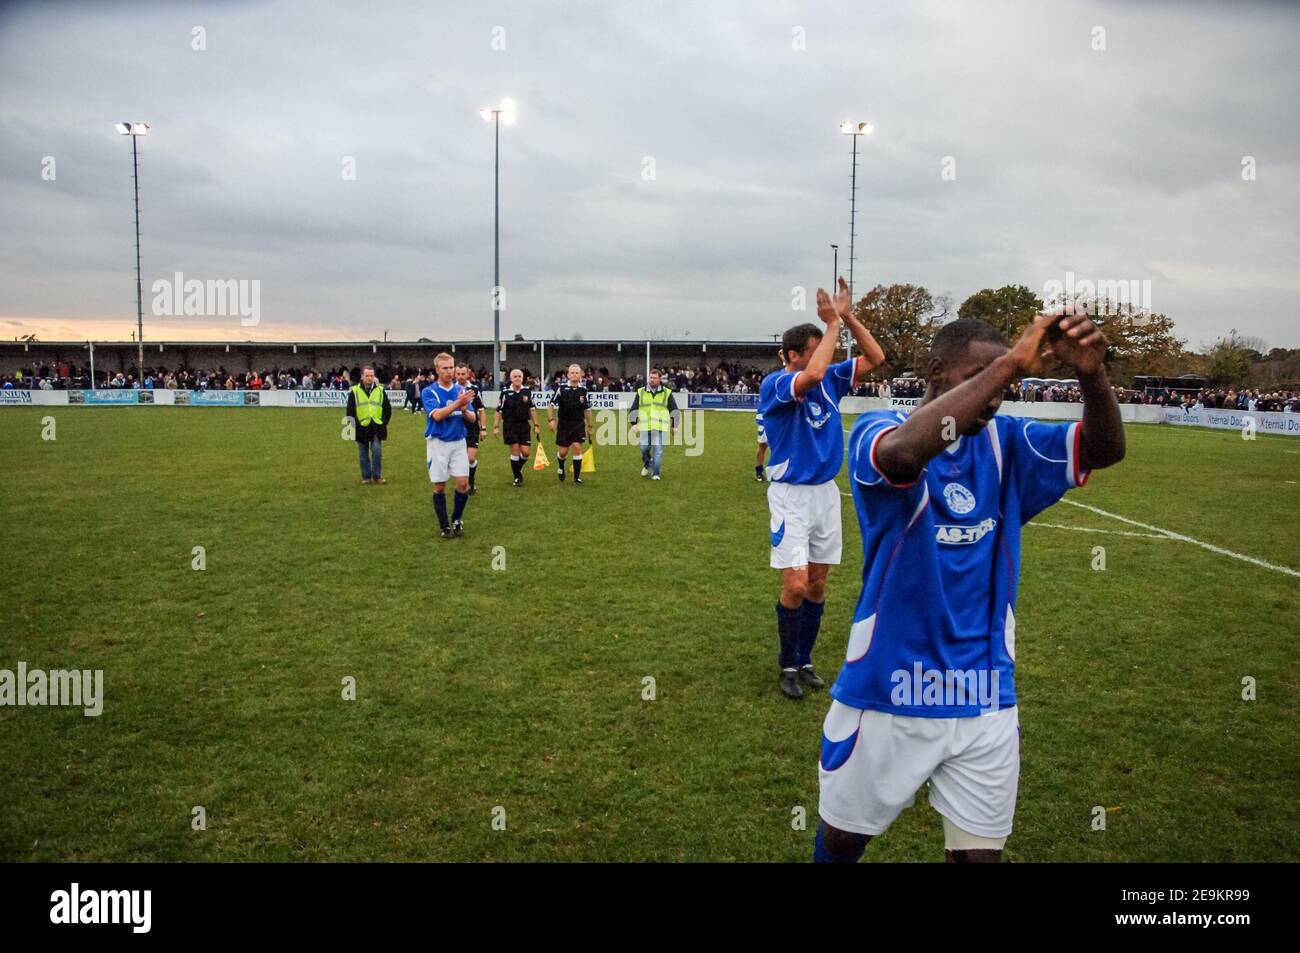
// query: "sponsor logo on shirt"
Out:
[964,535]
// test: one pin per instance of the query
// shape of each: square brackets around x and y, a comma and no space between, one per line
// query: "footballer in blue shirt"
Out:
[449,410]
[927,692]
[800,411]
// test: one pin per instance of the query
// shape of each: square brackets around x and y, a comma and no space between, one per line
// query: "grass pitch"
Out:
[522,689]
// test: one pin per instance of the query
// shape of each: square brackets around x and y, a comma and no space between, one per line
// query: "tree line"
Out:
[904,318]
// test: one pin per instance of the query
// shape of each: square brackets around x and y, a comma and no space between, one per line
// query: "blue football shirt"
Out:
[451,427]
[934,630]
[805,437]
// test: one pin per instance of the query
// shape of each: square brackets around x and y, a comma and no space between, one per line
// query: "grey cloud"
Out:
[1117,164]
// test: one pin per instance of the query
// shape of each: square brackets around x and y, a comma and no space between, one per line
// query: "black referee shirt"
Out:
[571,404]
[475,405]
[514,405]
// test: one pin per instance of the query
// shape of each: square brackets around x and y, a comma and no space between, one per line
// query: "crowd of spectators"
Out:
[1044,393]
[724,377]
[1277,401]
[912,388]
[71,377]
[902,387]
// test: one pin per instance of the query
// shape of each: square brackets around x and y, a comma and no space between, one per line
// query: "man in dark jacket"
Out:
[370,411]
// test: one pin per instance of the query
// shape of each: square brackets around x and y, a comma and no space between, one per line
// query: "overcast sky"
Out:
[1122,163]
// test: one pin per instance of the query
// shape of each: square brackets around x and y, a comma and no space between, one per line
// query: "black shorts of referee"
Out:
[570,434]
[516,432]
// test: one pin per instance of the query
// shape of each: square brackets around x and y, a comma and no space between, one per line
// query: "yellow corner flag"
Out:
[540,462]
[589,460]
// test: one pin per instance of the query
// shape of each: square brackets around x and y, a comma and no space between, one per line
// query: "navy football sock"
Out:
[787,622]
[440,507]
[822,854]
[810,623]
[458,510]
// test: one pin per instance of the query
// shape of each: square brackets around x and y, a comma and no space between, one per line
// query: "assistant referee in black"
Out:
[574,411]
[515,416]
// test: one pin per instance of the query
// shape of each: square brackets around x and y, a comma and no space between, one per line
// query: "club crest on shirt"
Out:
[816,414]
[960,500]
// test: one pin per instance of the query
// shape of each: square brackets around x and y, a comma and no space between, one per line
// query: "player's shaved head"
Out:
[954,339]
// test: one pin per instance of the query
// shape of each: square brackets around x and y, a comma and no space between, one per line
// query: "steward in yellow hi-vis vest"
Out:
[370,411]
[654,412]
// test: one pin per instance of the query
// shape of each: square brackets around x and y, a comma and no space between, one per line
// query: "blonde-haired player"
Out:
[449,411]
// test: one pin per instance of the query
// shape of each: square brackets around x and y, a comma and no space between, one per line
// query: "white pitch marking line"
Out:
[1187,539]
[1158,534]
[1108,532]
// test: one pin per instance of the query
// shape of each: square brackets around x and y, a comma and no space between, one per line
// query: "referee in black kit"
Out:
[516,415]
[476,429]
[570,401]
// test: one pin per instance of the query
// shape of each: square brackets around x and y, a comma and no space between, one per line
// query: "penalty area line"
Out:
[1188,539]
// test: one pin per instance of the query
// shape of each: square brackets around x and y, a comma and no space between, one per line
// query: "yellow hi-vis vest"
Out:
[370,407]
[652,409]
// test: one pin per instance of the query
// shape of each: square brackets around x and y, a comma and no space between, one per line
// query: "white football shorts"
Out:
[873,763]
[805,524]
[446,458]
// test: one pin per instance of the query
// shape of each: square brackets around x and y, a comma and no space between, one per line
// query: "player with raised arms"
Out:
[927,692]
[801,417]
